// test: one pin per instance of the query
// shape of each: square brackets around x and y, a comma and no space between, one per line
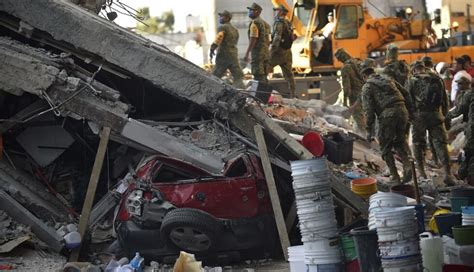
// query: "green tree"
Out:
[155,25]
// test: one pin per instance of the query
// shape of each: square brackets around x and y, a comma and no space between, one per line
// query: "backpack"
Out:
[432,92]
[286,37]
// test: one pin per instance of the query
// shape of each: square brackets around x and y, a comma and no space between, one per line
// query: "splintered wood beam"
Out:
[91,189]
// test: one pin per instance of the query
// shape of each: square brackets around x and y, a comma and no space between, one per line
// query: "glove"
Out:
[213,48]
[370,137]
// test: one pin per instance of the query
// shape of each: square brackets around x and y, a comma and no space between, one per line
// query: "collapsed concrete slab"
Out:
[83,30]
[16,211]
[47,76]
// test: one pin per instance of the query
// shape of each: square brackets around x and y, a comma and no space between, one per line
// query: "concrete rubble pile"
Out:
[66,74]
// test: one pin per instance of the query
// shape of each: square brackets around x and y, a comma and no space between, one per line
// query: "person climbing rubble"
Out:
[428,95]
[382,99]
[352,84]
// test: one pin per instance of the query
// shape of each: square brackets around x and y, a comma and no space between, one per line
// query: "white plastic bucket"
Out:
[399,234]
[405,248]
[296,258]
[409,264]
[384,200]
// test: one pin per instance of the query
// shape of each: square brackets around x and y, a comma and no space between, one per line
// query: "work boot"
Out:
[421,172]
[449,179]
[407,173]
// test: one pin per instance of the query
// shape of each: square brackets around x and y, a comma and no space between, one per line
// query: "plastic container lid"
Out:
[314,143]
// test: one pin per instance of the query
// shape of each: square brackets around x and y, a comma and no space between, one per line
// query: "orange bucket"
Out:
[364,187]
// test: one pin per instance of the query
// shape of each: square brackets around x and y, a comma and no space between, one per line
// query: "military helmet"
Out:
[342,55]
[392,52]
[367,63]
[418,64]
[427,61]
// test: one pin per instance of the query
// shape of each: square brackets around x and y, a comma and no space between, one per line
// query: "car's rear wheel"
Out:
[190,230]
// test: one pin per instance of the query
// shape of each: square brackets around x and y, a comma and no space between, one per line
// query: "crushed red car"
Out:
[172,205]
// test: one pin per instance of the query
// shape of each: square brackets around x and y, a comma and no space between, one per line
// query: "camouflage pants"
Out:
[359,116]
[234,67]
[259,66]
[391,137]
[283,58]
[466,169]
[431,122]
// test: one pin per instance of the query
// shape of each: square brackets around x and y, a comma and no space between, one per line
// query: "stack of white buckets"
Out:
[397,231]
[316,214]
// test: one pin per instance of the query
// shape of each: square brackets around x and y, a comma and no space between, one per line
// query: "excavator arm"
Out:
[409,34]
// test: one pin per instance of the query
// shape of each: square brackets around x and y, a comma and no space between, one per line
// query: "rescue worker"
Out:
[227,56]
[427,92]
[429,65]
[352,83]
[259,41]
[280,49]
[466,108]
[382,99]
[397,69]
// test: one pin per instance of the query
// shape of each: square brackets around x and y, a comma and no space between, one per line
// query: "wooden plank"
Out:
[91,189]
[267,169]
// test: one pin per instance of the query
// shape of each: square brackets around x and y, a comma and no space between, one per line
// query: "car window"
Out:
[347,23]
[169,174]
[237,169]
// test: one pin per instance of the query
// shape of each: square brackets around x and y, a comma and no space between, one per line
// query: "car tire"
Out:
[191,230]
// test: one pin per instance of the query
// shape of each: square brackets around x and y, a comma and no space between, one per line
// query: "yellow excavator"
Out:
[361,35]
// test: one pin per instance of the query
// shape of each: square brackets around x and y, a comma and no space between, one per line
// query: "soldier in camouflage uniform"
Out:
[396,69]
[278,54]
[466,108]
[227,57]
[352,84]
[382,99]
[259,41]
[429,105]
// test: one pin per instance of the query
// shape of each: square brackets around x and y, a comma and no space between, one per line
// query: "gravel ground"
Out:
[35,260]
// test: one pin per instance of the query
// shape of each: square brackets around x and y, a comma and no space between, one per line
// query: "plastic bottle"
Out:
[137,262]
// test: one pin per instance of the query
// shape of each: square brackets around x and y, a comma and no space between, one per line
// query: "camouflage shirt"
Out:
[260,30]
[378,94]
[398,70]
[228,42]
[351,79]
[280,25]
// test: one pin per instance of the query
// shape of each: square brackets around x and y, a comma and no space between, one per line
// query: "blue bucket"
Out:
[446,221]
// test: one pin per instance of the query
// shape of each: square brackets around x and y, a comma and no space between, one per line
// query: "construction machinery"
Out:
[361,35]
